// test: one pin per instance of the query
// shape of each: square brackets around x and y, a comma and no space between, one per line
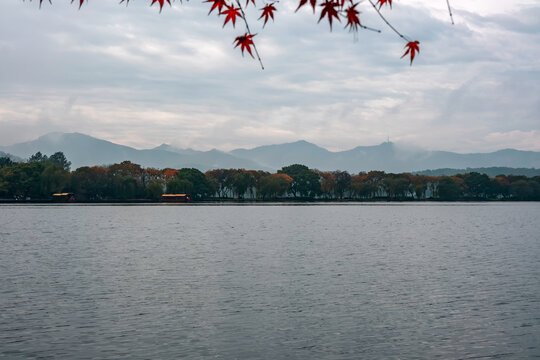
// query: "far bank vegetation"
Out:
[41,176]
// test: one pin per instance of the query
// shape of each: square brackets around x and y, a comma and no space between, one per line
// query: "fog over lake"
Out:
[319,281]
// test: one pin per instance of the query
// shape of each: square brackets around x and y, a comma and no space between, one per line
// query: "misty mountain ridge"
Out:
[84,150]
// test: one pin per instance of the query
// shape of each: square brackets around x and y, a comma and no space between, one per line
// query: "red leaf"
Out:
[219,4]
[304,2]
[245,42]
[253,1]
[329,9]
[161,2]
[353,21]
[412,48]
[382,2]
[231,13]
[268,12]
[80,2]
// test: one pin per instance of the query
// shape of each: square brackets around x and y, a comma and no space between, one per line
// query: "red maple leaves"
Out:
[268,12]
[330,10]
[353,21]
[80,2]
[231,13]
[313,3]
[412,48]
[161,3]
[382,2]
[216,4]
[245,42]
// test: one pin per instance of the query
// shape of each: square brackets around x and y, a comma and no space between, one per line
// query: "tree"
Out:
[54,178]
[37,157]
[23,180]
[342,182]
[477,185]
[242,180]
[200,186]
[91,183]
[306,183]
[396,186]
[273,185]
[344,11]
[5,162]
[60,159]
[361,188]
[328,183]
[126,168]
[179,186]
[154,189]
[448,189]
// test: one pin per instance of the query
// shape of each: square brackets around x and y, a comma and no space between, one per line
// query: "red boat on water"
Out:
[177,198]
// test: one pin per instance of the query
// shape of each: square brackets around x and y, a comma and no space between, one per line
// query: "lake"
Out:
[318,281]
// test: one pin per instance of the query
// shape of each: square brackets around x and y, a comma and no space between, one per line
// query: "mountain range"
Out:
[84,150]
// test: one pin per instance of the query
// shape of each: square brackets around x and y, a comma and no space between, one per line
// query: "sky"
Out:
[137,77]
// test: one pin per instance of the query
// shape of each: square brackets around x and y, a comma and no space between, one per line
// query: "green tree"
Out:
[125,187]
[23,180]
[477,185]
[396,186]
[154,189]
[201,188]
[54,178]
[91,183]
[525,190]
[448,189]
[37,157]
[306,183]
[5,162]
[241,182]
[343,180]
[60,159]
[180,186]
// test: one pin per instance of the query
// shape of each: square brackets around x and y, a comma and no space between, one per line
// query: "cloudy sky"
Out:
[136,77]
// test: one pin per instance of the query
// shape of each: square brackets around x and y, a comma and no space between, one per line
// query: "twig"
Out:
[369,28]
[387,23]
[450,11]
[249,32]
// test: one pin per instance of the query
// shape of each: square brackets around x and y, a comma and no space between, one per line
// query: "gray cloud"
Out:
[139,78]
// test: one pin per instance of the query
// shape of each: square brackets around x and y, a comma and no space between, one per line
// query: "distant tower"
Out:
[387,138]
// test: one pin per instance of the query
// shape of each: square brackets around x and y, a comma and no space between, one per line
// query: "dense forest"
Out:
[41,176]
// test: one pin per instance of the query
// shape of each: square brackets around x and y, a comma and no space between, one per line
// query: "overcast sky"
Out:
[136,77]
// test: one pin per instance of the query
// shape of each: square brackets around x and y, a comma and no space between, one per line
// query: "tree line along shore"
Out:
[41,176]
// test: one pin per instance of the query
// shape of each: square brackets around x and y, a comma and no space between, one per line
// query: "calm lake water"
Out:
[371,281]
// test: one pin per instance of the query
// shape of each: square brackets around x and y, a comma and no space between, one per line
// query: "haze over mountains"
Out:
[84,150]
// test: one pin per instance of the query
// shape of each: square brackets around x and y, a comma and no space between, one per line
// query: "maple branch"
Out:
[249,32]
[387,23]
[450,11]
[369,28]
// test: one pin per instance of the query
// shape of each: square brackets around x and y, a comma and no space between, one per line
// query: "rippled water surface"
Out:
[370,281]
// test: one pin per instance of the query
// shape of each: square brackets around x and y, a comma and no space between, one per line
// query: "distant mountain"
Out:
[277,156]
[489,171]
[84,150]
[12,157]
[386,156]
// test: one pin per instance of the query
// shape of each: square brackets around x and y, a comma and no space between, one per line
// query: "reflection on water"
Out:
[276,282]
